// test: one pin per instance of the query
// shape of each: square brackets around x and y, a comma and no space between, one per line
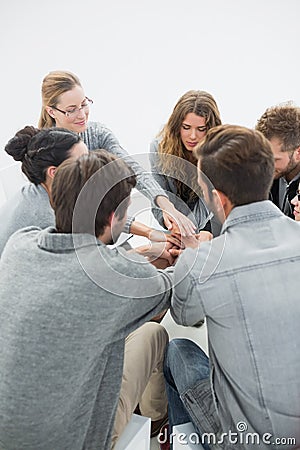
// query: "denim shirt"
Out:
[246,282]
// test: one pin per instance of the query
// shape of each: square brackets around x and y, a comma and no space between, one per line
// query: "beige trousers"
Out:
[143,381]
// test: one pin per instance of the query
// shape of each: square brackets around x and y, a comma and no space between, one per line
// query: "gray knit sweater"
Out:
[64,316]
[29,206]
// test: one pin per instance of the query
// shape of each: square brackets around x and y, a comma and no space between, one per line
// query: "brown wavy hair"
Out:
[282,122]
[202,104]
[55,84]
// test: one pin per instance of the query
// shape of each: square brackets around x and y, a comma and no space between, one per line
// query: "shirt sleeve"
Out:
[128,224]
[186,306]
[102,137]
[161,179]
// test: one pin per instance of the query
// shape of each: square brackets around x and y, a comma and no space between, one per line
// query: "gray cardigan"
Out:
[67,302]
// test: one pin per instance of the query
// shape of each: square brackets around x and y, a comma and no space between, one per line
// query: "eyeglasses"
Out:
[72,113]
[298,194]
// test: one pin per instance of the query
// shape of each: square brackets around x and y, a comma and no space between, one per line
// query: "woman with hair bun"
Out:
[173,163]
[40,152]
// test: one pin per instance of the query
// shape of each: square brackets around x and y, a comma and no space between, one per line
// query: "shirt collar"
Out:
[52,241]
[252,212]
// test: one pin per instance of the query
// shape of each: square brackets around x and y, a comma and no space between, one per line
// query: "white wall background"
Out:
[135,58]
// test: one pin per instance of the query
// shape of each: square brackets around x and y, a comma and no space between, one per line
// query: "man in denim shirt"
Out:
[246,284]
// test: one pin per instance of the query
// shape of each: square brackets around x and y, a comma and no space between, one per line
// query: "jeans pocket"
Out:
[200,405]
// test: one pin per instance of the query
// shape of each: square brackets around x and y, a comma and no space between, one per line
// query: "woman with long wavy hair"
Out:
[173,163]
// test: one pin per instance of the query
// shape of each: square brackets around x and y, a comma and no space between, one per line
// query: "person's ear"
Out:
[50,111]
[111,219]
[222,203]
[297,154]
[51,171]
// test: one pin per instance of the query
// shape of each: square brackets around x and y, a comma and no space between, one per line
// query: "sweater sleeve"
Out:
[98,136]
[161,179]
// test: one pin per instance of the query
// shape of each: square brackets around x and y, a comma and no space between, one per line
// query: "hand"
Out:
[204,236]
[161,236]
[142,229]
[178,223]
[188,241]
[161,263]
[157,251]
[191,241]
[174,220]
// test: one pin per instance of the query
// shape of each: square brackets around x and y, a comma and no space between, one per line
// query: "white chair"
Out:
[136,435]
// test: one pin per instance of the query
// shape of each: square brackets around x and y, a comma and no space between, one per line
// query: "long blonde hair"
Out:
[54,84]
[202,104]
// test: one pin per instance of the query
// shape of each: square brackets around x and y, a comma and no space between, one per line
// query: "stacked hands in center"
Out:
[164,248]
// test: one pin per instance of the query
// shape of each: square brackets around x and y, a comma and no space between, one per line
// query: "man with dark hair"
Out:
[246,284]
[68,303]
[281,126]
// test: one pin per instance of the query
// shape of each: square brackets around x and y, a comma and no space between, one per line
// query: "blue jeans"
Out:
[185,365]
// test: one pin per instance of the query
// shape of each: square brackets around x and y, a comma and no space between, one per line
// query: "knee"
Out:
[155,332]
[179,354]
[176,348]
[173,354]
[185,363]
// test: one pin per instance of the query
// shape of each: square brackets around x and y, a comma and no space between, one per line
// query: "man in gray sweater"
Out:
[67,304]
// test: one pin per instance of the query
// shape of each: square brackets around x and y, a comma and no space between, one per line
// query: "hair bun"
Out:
[18,145]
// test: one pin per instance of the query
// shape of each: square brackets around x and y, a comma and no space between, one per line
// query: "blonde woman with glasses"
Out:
[64,104]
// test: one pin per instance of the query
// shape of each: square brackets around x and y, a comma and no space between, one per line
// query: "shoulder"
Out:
[21,240]
[97,135]
[29,206]
[27,232]
[154,144]
[197,265]
[96,129]
[31,191]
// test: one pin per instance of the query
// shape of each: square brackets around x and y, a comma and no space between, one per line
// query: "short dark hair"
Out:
[238,162]
[282,122]
[40,149]
[98,192]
